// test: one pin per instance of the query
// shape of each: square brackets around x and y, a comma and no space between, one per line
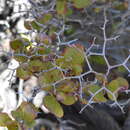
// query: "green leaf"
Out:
[42,50]
[69,12]
[51,32]
[73,55]
[122,69]
[66,99]
[21,58]
[50,77]
[72,60]
[98,63]
[97,60]
[25,113]
[5,121]
[34,25]
[77,69]
[16,44]
[35,65]
[69,31]
[122,6]
[67,86]
[53,106]
[47,65]
[63,63]
[116,85]
[45,18]
[23,72]
[82,3]
[99,97]
[61,7]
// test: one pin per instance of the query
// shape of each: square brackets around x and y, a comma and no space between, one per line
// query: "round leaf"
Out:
[5,121]
[50,77]
[73,55]
[82,3]
[98,97]
[21,58]
[67,86]
[35,65]
[61,7]
[34,25]
[25,113]
[116,85]
[53,106]
[16,44]
[45,18]
[65,98]
[23,72]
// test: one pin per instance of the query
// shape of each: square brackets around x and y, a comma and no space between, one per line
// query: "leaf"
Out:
[99,97]
[65,98]
[77,69]
[122,6]
[61,7]
[63,63]
[25,113]
[42,50]
[35,65]
[67,86]
[50,77]
[21,58]
[69,31]
[51,32]
[73,60]
[97,60]
[34,25]
[116,85]
[47,65]
[16,44]
[73,55]
[13,125]
[5,121]
[23,72]
[69,12]
[82,3]
[98,63]
[121,69]
[53,106]
[45,18]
